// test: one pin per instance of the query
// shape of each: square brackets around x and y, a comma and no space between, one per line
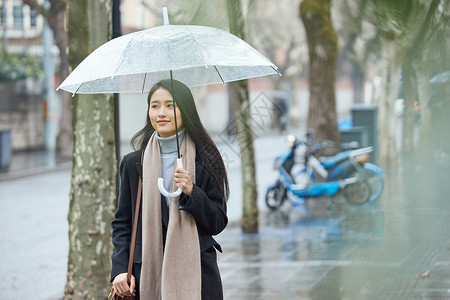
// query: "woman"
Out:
[175,254]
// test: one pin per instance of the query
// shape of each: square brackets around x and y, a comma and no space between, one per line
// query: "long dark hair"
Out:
[205,146]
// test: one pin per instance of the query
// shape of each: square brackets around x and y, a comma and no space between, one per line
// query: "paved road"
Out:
[376,251]
[34,230]
[396,248]
[34,236]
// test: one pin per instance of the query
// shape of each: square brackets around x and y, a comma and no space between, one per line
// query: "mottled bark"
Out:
[92,195]
[249,222]
[427,133]
[231,125]
[386,112]
[322,44]
[408,117]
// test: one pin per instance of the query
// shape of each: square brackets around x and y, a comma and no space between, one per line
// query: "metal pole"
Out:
[4,25]
[49,68]
[175,114]
[116,32]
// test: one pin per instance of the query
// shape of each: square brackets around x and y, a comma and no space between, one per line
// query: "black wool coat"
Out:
[205,204]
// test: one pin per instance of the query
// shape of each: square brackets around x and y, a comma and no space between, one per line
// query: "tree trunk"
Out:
[92,195]
[427,135]
[409,94]
[422,66]
[249,222]
[358,78]
[57,21]
[389,92]
[322,44]
[231,124]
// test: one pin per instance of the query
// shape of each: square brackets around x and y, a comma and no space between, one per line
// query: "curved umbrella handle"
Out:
[161,188]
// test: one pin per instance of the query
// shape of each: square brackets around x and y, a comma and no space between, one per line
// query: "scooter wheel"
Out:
[275,197]
[376,183]
[358,192]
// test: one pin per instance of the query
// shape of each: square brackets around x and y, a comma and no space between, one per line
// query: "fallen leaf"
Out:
[425,274]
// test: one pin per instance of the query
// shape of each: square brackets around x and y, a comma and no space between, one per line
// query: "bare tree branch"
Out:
[420,39]
[38,7]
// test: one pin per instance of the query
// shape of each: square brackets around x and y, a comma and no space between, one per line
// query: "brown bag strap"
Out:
[136,217]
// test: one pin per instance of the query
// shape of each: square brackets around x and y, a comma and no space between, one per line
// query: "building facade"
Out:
[20,27]
[22,102]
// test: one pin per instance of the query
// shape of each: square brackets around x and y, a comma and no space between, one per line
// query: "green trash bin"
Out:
[5,148]
[355,134]
[367,116]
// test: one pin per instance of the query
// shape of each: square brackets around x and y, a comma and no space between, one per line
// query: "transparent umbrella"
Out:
[194,55]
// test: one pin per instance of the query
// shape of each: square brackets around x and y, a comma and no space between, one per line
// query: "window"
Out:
[2,16]
[33,17]
[18,16]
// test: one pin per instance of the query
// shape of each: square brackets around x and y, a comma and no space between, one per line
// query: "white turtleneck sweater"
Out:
[169,154]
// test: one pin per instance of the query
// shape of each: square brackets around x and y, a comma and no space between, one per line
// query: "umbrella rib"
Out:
[143,84]
[276,70]
[200,51]
[73,95]
[123,51]
[223,81]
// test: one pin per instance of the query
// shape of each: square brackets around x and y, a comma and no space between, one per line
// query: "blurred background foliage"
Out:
[16,66]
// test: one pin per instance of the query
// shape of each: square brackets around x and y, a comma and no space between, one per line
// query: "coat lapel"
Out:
[139,168]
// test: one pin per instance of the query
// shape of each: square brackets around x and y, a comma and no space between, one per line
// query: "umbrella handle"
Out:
[165,16]
[161,184]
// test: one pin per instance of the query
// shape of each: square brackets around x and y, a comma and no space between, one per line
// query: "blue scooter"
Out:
[342,166]
[347,171]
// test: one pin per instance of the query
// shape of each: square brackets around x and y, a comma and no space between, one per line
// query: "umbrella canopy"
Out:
[196,55]
[441,78]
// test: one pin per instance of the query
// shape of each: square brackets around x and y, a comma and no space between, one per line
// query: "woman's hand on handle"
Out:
[121,287]
[183,181]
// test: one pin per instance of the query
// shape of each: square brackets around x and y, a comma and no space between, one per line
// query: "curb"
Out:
[18,174]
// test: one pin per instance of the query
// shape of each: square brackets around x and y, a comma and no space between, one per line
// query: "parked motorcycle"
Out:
[299,171]
[342,166]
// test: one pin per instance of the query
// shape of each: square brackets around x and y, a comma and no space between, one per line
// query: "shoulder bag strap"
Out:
[136,217]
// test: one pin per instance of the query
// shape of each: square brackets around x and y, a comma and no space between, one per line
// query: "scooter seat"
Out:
[331,161]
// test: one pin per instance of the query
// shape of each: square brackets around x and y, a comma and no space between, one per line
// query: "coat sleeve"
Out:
[122,224]
[206,205]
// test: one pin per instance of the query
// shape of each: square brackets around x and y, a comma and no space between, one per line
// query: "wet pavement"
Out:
[33,162]
[34,235]
[395,248]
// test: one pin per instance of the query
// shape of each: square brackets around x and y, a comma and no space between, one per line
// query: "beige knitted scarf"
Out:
[174,273]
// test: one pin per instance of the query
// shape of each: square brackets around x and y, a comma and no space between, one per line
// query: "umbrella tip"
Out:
[165,16]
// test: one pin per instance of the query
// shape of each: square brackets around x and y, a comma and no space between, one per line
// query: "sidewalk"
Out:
[29,163]
[395,248]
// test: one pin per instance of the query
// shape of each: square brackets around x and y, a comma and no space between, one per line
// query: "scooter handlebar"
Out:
[361,151]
